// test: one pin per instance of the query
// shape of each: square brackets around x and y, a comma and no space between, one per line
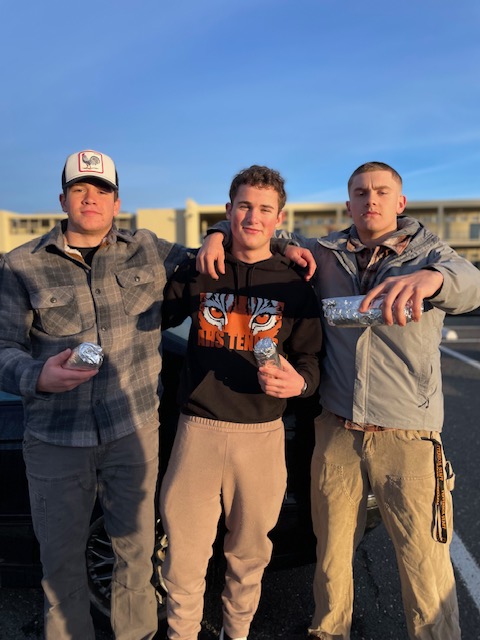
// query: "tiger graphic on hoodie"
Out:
[237,322]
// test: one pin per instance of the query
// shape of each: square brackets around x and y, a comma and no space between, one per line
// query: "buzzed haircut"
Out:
[261,177]
[375,166]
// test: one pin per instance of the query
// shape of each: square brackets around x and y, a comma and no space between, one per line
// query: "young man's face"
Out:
[91,208]
[254,215]
[375,201]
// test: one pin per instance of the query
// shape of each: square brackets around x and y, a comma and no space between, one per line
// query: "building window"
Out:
[29,226]
[474,231]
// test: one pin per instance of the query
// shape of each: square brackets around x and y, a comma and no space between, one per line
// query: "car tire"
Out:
[100,559]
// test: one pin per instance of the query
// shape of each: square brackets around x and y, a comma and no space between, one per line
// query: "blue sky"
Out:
[183,95]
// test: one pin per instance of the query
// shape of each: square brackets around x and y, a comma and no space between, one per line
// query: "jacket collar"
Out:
[337,240]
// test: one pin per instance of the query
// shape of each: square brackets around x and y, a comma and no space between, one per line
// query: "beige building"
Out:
[455,221]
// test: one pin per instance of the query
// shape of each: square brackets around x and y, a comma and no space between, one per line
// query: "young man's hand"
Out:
[280,383]
[303,257]
[398,290]
[54,378]
[211,256]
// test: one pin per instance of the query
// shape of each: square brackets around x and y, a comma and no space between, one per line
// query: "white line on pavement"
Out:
[467,568]
[460,356]
[464,562]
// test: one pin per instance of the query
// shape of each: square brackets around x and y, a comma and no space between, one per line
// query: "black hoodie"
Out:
[251,301]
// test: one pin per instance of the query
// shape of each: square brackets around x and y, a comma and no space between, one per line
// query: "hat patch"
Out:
[89,163]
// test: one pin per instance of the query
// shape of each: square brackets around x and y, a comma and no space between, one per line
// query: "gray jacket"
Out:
[390,375]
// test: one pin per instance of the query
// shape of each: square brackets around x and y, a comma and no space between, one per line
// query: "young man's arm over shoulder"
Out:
[211,255]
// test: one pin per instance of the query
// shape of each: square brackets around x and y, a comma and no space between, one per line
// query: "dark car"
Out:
[293,539]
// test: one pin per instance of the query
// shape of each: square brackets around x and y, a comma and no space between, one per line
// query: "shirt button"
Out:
[53,300]
[103,328]
[98,291]
[137,278]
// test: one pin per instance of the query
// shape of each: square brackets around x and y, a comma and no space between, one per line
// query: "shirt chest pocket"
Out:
[139,290]
[56,311]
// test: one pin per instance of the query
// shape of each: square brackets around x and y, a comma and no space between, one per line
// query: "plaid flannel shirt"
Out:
[369,261]
[51,300]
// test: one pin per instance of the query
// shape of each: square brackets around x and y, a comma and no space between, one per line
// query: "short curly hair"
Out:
[262,177]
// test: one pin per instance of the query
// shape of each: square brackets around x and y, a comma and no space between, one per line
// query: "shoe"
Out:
[223,636]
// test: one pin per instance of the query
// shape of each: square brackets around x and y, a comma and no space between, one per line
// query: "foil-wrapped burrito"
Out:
[86,356]
[343,312]
[265,352]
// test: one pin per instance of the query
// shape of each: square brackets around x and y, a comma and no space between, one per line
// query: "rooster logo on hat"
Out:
[88,162]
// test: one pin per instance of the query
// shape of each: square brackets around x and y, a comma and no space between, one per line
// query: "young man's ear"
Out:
[228,209]
[347,203]
[402,203]
[61,197]
[280,218]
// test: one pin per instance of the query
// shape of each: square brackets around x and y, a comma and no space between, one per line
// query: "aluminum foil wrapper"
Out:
[86,356]
[343,312]
[265,352]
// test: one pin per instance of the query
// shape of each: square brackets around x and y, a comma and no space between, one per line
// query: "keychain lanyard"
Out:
[440,524]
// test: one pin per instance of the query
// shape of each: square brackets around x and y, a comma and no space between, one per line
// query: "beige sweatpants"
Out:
[400,466]
[213,463]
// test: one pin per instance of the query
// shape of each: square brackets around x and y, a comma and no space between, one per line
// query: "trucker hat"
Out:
[89,164]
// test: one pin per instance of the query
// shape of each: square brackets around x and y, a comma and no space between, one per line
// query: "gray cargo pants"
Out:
[63,483]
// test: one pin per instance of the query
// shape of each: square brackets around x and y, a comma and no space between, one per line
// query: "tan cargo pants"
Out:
[400,467]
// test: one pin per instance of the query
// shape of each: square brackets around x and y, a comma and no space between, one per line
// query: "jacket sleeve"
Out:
[304,345]
[176,307]
[460,291]
[222,227]
[19,371]
[296,239]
